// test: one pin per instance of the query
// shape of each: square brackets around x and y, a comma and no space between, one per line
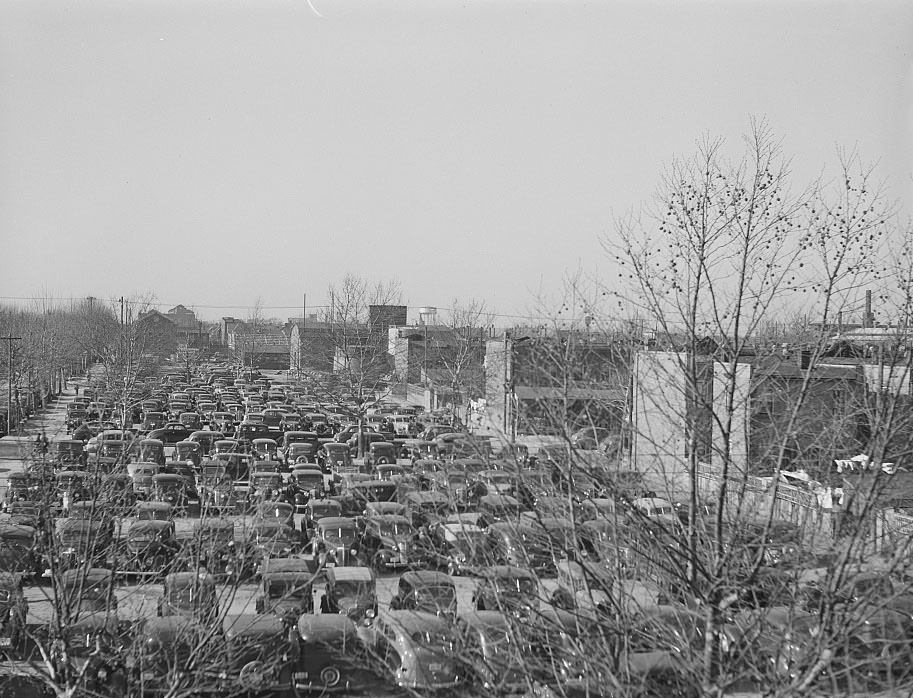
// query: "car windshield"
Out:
[439,594]
[352,587]
[308,481]
[466,539]
[336,536]
[432,640]
[278,535]
[143,536]
[291,589]
[188,596]
[517,585]
[395,528]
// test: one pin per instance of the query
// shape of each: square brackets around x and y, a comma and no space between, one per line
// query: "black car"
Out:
[171,433]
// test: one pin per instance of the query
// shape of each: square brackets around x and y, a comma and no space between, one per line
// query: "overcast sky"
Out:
[216,153]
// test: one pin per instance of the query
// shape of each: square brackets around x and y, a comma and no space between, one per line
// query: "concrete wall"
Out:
[658,416]
[738,380]
[497,374]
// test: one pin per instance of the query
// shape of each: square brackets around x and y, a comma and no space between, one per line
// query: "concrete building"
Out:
[541,382]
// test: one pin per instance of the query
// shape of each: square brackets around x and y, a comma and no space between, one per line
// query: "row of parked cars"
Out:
[574,577]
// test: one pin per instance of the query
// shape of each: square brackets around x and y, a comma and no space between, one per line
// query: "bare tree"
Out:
[362,364]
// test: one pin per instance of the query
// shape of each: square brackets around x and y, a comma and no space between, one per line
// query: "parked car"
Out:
[162,646]
[492,663]
[190,594]
[334,541]
[458,547]
[68,453]
[175,490]
[149,548]
[82,540]
[265,449]
[260,655]
[335,458]
[153,511]
[188,452]
[217,490]
[350,591]
[331,657]
[267,539]
[380,453]
[508,589]
[13,615]
[211,546]
[286,588]
[425,590]
[389,542]
[150,450]
[418,650]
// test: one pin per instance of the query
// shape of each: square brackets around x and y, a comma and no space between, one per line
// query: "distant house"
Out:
[156,333]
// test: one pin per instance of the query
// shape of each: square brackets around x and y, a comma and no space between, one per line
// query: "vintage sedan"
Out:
[389,542]
[286,588]
[265,449]
[13,613]
[336,458]
[142,475]
[260,655]
[351,591]
[19,551]
[217,490]
[162,647]
[81,540]
[418,650]
[189,452]
[68,453]
[493,663]
[189,594]
[331,658]
[151,451]
[334,541]
[432,592]
[512,590]
[268,538]
[175,490]
[211,546]
[458,547]
[149,548]
[264,487]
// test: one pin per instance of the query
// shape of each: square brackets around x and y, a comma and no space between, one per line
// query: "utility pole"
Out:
[9,381]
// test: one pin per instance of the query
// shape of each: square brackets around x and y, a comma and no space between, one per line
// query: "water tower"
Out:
[427,315]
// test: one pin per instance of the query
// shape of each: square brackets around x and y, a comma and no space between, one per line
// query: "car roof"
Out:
[387,518]
[427,578]
[186,579]
[416,621]
[325,627]
[254,625]
[484,619]
[506,572]
[336,522]
[149,525]
[347,574]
